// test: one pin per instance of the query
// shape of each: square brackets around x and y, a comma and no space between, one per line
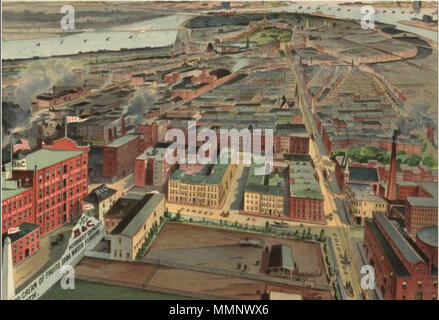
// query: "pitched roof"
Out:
[138,214]
[100,194]
[281,257]
[398,239]
[397,265]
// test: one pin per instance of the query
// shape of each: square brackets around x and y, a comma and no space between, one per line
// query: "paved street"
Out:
[321,160]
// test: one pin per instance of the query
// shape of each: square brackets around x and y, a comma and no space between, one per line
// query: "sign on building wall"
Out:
[19,164]
[85,235]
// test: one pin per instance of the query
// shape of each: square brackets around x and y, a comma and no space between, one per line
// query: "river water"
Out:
[92,41]
[121,37]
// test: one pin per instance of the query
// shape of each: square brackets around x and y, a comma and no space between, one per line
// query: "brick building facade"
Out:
[402,270]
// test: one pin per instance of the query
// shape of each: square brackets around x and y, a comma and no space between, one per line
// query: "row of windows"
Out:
[64,170]
[17,204]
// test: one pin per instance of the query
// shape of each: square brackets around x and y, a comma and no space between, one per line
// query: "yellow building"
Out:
[363,203]
[206,188]
[141,212]
[264,194]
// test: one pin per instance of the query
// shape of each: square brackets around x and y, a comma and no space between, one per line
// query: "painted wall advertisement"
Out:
[85,235]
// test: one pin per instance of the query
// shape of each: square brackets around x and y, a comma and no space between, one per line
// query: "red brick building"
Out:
[305,196]
[152,169]
[60,95]
[402,270]
[25,241]
[57,174]
[118,157]
[291,138]
[153,130]
[426,240]
[420,213]
[16,204]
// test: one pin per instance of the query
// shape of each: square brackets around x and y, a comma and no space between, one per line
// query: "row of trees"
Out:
[364,153]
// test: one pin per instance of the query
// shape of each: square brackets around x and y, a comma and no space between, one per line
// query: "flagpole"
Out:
[12,150]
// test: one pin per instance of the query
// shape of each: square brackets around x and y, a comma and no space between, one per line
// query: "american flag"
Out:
[20,144]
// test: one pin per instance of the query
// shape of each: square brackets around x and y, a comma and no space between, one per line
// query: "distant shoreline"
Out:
[419,24]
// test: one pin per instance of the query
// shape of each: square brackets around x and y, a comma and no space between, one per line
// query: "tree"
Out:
[267,226]
[178,216]
[429,161]
[322,235]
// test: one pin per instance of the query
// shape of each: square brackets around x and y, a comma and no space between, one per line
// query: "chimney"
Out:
[391,187]
[124,128]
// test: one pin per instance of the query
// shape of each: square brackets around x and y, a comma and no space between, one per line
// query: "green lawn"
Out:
[85,290]
[267,36]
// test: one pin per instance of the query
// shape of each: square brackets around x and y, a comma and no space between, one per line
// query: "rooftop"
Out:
[363,192]
[281,257]
[100,194]
[428,235]
[304,183]
[122,140]
[398,239]
[137,214]
[397,265]
[273,183]
[44,158]
[363,174]
[24,229]
[11,188]
[153,152]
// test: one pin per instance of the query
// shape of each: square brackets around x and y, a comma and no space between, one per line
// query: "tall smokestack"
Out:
[391,187]
[124,128]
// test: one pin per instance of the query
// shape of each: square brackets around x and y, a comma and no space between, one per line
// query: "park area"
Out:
[268,36]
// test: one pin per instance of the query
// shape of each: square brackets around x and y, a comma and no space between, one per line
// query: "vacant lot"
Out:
[218,248]
[174,282]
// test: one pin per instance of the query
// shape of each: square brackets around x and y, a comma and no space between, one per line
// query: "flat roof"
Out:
[122,140]
[364,192]
[9,193]
[44,158]
[422,202]
[272,183]
[24,229]
[213,175]
[363,174]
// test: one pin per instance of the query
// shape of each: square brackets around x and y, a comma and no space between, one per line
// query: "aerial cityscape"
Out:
[219,150]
